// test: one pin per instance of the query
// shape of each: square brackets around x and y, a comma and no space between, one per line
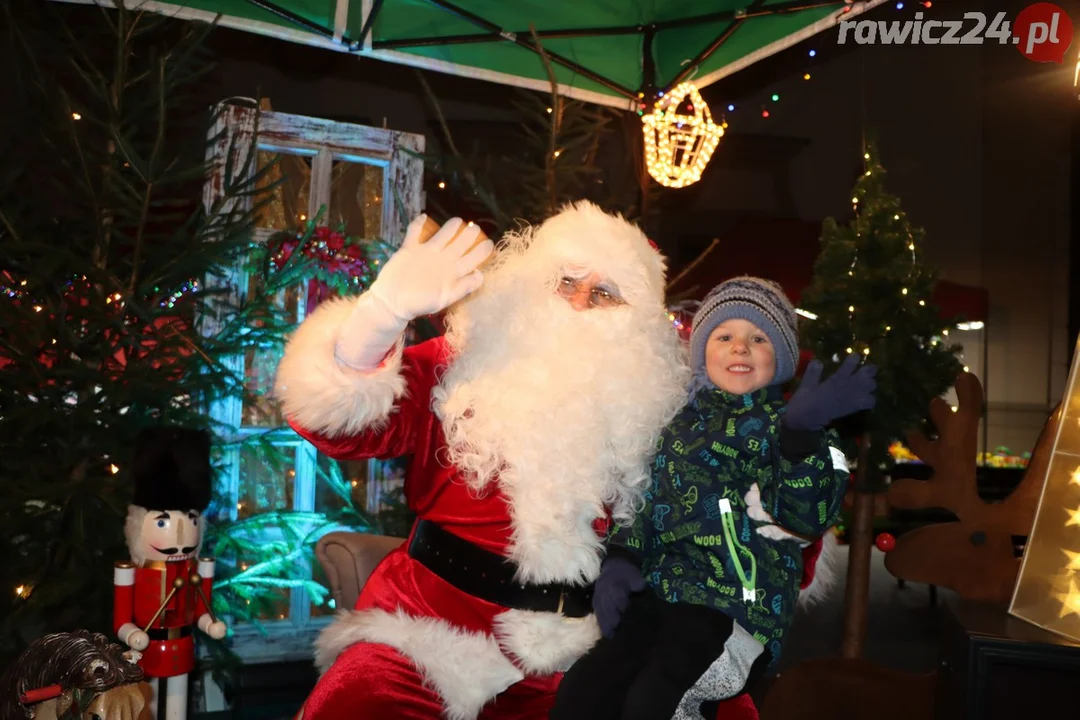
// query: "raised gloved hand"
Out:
[619,579]
[424,278]
[815,404]
[418,279]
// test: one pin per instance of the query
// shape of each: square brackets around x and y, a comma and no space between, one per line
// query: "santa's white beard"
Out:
[562,408]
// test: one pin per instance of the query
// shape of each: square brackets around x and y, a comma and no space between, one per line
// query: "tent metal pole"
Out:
[497,34]
[370,22]
[713,46]
[467,38]
[751,12]
[648,65]
[528,45]
[303,22]
[341,17]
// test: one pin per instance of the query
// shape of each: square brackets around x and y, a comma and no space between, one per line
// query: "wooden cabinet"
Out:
[997,667]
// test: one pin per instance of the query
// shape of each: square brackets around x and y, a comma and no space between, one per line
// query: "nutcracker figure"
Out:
[163,592]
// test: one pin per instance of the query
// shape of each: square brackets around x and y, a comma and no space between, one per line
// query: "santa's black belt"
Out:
[489,576]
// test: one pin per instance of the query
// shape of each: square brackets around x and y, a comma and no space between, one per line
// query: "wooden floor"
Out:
[903,625]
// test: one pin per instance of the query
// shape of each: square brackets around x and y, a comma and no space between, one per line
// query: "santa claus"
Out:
[530,425]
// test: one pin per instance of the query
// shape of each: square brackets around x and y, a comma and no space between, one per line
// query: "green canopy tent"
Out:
[611,52]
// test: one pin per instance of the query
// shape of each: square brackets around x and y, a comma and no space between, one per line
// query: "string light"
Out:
[678,146]
[76,116]
[812,53]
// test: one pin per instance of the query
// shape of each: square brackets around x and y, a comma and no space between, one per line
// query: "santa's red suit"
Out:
[478,613]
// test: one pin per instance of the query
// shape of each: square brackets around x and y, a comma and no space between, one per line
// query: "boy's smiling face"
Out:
[739,357]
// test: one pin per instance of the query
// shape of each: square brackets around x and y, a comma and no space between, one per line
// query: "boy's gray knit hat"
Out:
[759,301]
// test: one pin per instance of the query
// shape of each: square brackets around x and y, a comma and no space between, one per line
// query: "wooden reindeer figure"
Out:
[975,555]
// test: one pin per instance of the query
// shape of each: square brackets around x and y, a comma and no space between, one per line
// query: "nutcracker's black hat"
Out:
[171,469]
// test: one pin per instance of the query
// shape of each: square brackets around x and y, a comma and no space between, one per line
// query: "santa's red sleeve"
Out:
[348,414]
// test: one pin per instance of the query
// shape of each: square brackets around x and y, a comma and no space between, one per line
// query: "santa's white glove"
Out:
[770,531]
[418,279]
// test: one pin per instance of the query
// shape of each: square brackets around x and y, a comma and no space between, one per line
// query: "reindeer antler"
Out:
[974,556]
[952,456]
[1016,513]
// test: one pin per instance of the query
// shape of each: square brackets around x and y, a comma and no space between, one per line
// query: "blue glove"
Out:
[619,578]
[816,404]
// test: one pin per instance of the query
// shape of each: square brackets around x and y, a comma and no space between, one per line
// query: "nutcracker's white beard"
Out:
[562,407]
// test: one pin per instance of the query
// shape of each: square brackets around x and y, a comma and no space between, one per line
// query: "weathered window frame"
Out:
[239,127]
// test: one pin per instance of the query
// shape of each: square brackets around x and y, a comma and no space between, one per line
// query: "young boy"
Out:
[718,596]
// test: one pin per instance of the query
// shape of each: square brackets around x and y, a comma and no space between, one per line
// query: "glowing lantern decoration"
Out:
[680,137]
[1047,591]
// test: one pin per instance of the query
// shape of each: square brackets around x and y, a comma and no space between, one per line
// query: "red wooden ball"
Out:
[885,542]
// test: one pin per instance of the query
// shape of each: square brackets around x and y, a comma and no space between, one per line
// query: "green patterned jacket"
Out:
[694,541]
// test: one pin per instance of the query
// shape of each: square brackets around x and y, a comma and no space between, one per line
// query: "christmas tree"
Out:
[112,272]
[871,294]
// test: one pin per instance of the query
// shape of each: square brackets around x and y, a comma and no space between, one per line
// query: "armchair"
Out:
[348,559]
